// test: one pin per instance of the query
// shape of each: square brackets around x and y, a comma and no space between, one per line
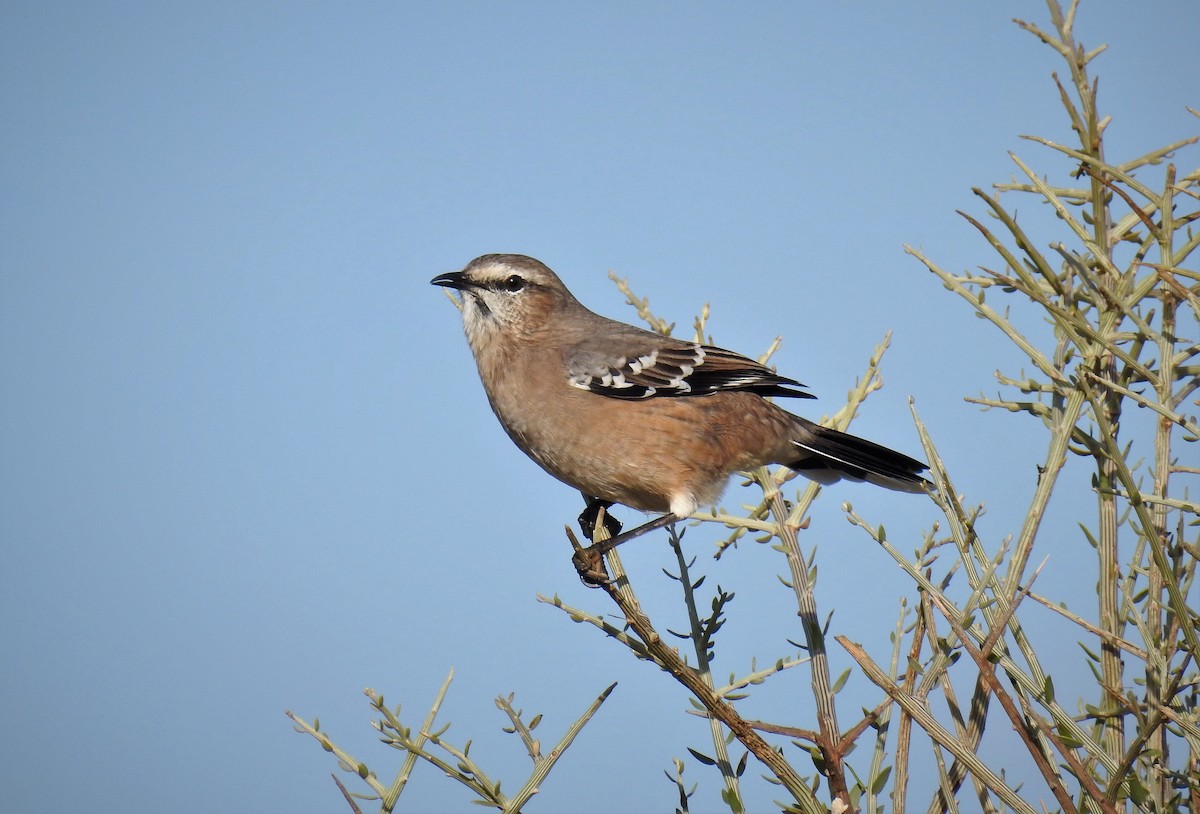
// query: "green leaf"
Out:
[841,681]
[1067,738]
[1137,792]
[703,758]
[818,759]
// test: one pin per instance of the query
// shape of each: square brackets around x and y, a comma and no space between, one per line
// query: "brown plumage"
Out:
[632,417]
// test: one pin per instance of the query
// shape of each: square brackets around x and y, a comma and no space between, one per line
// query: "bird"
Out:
[628,416]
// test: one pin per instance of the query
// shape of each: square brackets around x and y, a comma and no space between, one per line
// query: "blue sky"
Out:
[245,464]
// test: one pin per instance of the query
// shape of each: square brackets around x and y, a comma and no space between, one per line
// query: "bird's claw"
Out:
[589,563]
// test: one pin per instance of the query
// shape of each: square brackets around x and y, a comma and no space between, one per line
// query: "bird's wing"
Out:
[643,365]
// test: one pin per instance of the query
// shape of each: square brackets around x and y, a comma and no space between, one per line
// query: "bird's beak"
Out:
[453,279]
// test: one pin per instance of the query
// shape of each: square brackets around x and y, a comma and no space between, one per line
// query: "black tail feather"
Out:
[828,455]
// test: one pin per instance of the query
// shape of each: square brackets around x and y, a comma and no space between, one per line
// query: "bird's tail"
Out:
[827,455]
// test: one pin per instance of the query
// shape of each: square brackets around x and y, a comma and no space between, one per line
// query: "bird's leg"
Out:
[589,562]
[605,546]
[587,518]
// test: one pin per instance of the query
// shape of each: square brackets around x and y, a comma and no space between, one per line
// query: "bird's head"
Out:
[506,296]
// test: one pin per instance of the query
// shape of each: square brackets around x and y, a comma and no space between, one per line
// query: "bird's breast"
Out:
[648,453]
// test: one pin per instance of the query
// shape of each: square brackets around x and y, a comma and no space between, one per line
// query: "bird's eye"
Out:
[514,283]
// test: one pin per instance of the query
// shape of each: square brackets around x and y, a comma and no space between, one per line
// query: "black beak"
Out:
[453,279]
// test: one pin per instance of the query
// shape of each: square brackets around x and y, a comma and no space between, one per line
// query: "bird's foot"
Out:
[589,563]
